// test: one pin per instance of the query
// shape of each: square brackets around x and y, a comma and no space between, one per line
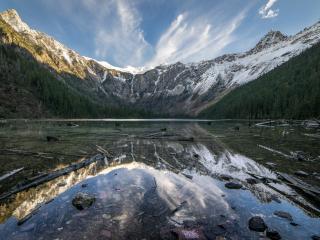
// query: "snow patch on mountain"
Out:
[128,69]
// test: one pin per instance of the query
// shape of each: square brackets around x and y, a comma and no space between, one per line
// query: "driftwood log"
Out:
[299,184]
[309,208]
[37,154]
[11,173]
[43,178]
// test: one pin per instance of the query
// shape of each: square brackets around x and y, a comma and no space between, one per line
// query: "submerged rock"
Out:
[52,139]
[311,124]
[27,228]
[83,200]
[257,224]
[273,235]
[299,155]
[233,185]
[189,234]
[62,184]
[225,177]
[252,181]
[283,214]
[294,224]
[315,237]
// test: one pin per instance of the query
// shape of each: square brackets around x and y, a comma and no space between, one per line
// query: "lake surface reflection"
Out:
[157,179]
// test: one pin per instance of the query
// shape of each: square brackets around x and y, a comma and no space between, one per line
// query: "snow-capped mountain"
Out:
[172,89]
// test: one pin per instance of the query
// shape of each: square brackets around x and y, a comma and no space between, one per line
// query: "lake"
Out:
[159,179]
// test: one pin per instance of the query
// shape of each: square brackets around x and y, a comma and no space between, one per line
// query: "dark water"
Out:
[161,177]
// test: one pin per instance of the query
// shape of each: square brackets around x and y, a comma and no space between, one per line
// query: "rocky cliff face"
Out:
[169,89]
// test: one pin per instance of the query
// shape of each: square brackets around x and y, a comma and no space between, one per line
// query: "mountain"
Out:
[175,89]
[36,82]
[290,91]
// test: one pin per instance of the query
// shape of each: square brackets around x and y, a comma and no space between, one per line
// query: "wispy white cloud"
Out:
[113,26]
[124,39]
[116,29]
[266,11]
[192,39]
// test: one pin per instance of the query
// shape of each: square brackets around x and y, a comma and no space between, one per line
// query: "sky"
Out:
[153,32]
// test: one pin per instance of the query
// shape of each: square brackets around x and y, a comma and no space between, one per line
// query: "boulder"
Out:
[82,201]
[257,224]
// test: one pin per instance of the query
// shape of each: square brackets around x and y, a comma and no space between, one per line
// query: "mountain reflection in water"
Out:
[154,183]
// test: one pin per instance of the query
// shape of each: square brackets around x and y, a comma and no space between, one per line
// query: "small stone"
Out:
[106,233]
[84,185]
[257,224]
[220,238]
[275,198]
[106,216]
[233,185]
[252,181]
[52,139]
[294,224]
[301,174]
[273,235]
[283,214]
[299,155]
[225,177]
[62,184]
[188,234]
[82,201]
[187,176]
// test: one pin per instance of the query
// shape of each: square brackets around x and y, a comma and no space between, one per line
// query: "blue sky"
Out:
[152,32]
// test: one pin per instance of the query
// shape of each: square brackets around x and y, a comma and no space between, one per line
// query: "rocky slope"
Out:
[170,89]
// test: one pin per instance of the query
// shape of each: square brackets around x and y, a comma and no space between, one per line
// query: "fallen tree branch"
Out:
[11,173]
[40,154]
[50,176]
[103,151]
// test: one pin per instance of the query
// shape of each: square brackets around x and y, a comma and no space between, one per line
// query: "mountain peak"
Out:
[12,17]
[270,39]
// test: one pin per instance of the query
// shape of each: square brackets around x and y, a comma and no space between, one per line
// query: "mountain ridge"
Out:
[166,89]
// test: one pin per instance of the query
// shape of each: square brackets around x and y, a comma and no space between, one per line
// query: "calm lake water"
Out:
[158,178]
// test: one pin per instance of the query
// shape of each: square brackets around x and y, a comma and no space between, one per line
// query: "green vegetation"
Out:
[29,89]
[290,91]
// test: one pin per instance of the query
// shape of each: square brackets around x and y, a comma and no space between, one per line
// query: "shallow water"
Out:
[156,182]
